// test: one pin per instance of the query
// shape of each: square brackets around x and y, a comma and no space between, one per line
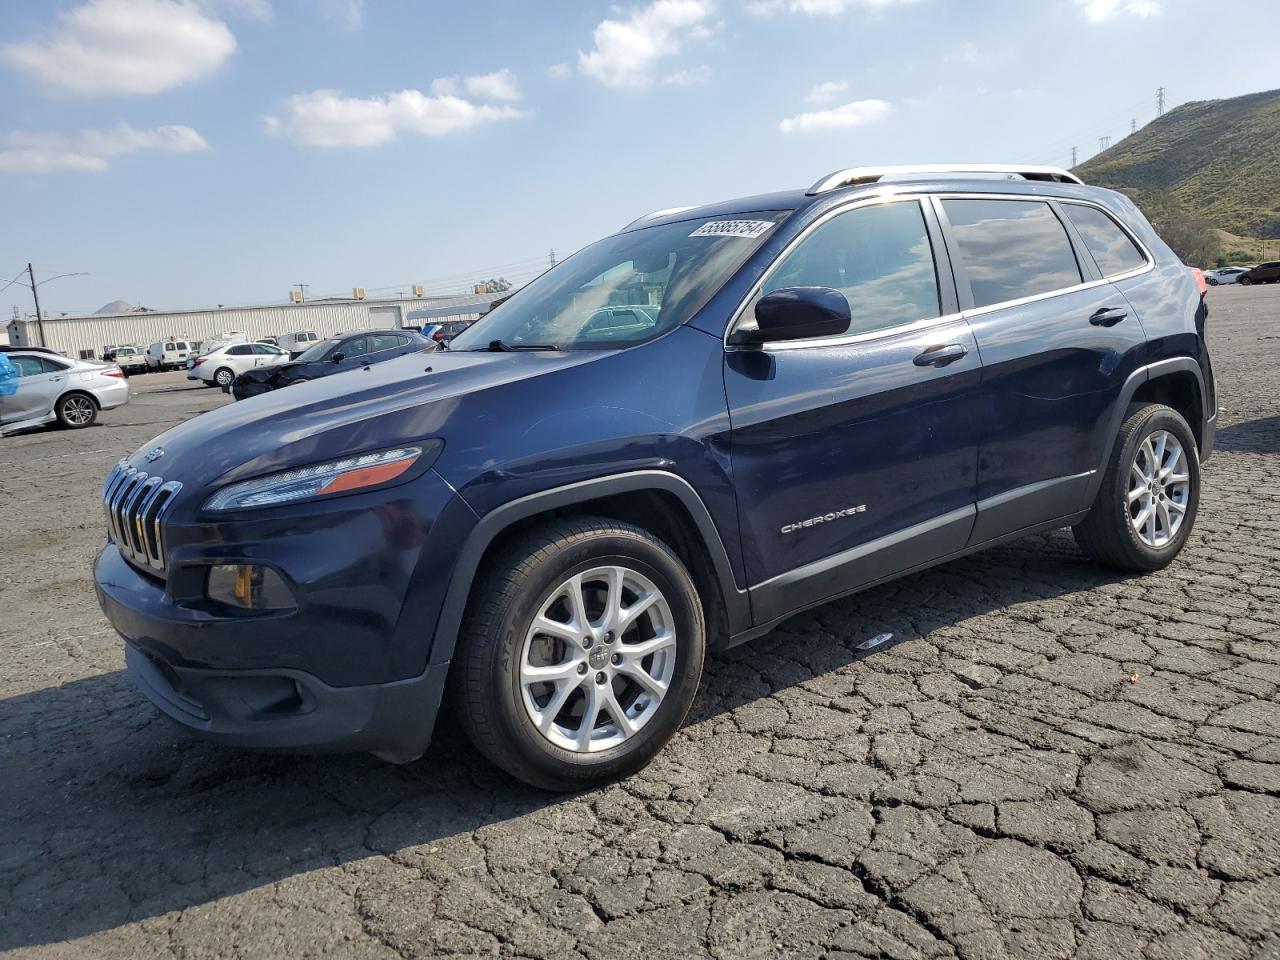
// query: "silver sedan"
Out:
[51,387]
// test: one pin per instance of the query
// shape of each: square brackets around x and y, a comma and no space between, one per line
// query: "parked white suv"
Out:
[220,367]
[170,354]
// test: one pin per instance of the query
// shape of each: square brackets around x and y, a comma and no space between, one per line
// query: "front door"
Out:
[854,457]
[1057,344]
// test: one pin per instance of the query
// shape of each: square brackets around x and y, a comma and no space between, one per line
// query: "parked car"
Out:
[218,341]
[346,351]
[297,341]
[444,332]
[168,354]
[221,367]
[1224,275]
[1262,273]
[54,388]
[552,522]
[129,359]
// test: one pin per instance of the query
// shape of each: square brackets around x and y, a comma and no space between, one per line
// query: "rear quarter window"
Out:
[1011,249]
[1113,250]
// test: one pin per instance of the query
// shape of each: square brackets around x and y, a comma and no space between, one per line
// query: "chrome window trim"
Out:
[844,339]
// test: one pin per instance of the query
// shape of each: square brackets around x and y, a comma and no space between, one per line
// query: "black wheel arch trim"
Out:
[1135,380]
[492,524]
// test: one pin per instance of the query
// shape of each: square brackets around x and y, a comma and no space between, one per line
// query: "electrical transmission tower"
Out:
[1159,101]
[1073,156]
[1133,125]
[1103,143]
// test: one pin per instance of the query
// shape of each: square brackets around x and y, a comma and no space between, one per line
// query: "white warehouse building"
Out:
[85,337]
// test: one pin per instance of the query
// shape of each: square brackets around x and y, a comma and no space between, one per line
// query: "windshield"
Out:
[625,289]
[317,351]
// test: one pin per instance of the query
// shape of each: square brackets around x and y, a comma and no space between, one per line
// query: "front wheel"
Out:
[1244,281]
[580,653]
[1146,505]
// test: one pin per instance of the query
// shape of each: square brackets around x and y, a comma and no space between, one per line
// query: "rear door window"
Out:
[1011,249]
[386,341]
[242,350]
[1113,250]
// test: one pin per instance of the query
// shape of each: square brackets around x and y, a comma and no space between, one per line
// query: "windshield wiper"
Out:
[501,346]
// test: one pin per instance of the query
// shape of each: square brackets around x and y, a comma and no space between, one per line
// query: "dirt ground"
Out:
[1050,760]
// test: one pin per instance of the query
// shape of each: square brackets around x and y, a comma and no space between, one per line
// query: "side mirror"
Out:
[797,313]
[338,357]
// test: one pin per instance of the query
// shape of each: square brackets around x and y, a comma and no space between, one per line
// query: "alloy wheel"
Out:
[77,411]
[597,659]
[1159,488]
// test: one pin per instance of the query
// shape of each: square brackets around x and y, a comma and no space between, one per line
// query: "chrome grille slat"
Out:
[134,503]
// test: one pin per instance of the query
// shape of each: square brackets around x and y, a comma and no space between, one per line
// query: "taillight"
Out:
[197,362]
[114,372]
[438,336]
[1200,281]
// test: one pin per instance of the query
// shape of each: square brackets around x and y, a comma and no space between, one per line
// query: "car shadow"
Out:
[111,814]
[1250,436]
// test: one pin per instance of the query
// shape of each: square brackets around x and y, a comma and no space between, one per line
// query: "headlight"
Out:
[323,479]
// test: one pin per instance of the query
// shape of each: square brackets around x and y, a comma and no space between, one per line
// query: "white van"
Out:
[168,354]
[296,342]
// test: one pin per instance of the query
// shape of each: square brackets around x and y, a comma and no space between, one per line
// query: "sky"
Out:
[185,153]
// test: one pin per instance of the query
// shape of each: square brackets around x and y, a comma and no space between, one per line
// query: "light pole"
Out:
[35,295]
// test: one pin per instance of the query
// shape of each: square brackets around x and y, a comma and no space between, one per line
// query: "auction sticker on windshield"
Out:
[733,228]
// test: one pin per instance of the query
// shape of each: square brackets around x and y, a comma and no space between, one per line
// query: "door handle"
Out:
[941,356]
[1108,316]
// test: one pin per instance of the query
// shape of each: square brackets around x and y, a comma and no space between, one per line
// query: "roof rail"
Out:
[665,212]
[859,175]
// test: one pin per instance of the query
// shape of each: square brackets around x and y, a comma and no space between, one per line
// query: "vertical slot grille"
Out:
[134,503]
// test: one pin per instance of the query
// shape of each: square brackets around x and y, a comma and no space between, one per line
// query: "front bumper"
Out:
[294,711]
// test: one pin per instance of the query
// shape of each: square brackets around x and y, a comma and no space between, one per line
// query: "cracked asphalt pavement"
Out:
[1050,759]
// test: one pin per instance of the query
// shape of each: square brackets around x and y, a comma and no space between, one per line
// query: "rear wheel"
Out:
[580,653]
[1244,281]
[224,377]
[1146,505]
[76,410]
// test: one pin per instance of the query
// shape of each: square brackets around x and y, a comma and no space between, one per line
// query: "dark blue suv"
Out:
[671,441]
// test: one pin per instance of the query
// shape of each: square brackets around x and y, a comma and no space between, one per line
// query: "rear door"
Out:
[1057,343]
[854,457]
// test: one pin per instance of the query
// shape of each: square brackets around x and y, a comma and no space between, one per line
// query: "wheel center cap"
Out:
[598,656]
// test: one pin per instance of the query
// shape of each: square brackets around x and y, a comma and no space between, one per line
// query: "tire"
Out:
[76,411]
[497,711]
[223,377]
[1244,281]
[1109,533]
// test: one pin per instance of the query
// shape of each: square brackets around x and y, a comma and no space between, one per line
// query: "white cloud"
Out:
[688,78]
[826,92]
[325,118]
[347,14]
[627,50]
[125,46]
[23,152]
[1099,11]
[499,85]
[559,71]
[853,114]
[969,53]
[818,8]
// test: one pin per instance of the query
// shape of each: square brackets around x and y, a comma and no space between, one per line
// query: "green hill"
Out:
[1216,161]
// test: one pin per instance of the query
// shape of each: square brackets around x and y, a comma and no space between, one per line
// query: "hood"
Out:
[384,404]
